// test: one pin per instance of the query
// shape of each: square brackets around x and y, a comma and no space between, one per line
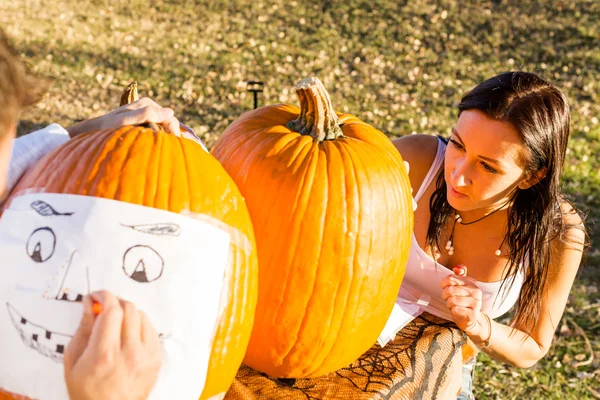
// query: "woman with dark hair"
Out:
[492,228]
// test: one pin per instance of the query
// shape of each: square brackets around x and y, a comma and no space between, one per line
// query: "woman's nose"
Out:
[460,174]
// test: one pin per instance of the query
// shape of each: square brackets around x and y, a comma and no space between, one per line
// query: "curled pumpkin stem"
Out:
[130,94]
[317,117]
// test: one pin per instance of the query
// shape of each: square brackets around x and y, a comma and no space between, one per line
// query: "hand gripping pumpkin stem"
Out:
[130,94]
[317,116]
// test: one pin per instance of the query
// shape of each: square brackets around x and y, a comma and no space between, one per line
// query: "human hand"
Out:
[464,298]
[114,355]
[140,111]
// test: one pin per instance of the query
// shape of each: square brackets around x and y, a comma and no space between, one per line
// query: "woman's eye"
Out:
[489,169]
[143,264]
[41,244]
[456,144]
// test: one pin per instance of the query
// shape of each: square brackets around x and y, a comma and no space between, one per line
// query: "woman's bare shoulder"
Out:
[419,151]
[573,233]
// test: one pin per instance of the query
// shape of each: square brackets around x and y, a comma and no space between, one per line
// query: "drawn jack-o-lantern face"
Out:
[56,248]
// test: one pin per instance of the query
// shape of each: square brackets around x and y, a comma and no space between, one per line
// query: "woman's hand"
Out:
[114,355]
[463,299]
[139,112]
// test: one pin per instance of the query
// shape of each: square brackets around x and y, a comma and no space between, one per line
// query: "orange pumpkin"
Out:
[149,167]
[331,206]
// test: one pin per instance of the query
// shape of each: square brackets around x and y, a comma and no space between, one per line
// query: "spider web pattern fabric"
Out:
[423,362]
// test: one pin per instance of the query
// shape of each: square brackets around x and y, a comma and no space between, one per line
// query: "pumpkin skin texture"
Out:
[149,167]
[333,218]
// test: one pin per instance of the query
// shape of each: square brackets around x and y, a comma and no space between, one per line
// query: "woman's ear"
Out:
[531,178]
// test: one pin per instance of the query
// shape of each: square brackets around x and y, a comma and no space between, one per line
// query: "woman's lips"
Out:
[454,193]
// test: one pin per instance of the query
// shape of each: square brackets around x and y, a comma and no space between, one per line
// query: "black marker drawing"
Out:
[160,229]
[47,343]
[41,244]
[64,293]
[143,264]
[46,210]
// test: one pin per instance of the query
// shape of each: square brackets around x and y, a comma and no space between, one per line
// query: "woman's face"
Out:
[484,162]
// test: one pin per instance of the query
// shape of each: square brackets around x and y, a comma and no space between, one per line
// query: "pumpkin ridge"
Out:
[109,147]
[94,153]
[254,153]
[354,286]
[242,139]
[389,193]
[152,171]
[266,199]
[185,171]
[170,173]
[114,169]
[118,192]
[73,183]
[92,171]
[388,168]
[341,303]
[144,186]
[159,171]
[179,199]
[339,299]
[321,154]
[358,165]
[278,297]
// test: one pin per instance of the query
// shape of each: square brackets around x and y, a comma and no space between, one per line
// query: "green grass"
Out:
[399,65]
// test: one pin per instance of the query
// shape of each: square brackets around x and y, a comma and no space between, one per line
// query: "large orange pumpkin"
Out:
[331,206]
[149,167]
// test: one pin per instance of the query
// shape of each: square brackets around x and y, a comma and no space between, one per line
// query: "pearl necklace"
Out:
[458,218]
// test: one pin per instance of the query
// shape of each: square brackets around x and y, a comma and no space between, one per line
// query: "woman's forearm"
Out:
[511,346]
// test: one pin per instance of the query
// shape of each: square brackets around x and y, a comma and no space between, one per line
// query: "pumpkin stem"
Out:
[317,116]
[130,94]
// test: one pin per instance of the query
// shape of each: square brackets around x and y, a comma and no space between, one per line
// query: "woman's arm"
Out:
[514,346]
[28,149]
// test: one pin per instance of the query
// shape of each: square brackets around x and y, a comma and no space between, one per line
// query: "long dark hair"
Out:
[541,115]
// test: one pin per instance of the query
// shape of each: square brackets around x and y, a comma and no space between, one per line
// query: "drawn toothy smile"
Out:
[48,343]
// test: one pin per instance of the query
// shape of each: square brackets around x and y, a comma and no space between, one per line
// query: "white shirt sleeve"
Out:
[30,148]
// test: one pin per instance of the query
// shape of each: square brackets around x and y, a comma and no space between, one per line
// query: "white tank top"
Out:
[423,275]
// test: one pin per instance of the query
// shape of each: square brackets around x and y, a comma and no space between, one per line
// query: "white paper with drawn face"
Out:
[54,248]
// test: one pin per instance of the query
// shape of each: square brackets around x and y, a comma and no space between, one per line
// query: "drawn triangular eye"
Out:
[41,244]
[143,264]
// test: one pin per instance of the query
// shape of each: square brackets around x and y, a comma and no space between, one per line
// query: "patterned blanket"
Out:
[423,362]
